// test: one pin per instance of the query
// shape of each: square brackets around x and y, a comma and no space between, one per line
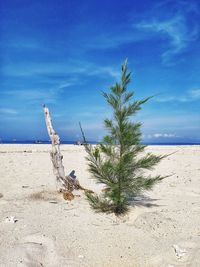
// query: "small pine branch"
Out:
[102,204]
[97,203]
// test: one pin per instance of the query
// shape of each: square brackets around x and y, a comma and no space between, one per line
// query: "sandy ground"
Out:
[163,229]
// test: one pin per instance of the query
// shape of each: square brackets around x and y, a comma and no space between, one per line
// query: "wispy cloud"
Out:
[195,93]
[190,96]
[65,85]
[24,44]
[72,68]
[50,87]
[8,111]
[115,38]
[179,31]
[34,95]
[165,135]
[34,69]
[106,71]
[160,136]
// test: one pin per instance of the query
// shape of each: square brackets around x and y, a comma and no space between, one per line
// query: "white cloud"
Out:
[166,135]
[159,135]
[165,99]
[190,96]
[176,29]
[8,111]
[38,94]
[106,70]
[33,95]
[72,68]
[194,94]
[65,85]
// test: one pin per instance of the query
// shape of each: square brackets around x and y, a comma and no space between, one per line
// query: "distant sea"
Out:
[93,142]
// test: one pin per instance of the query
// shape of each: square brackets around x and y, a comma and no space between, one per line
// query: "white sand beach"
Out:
[161,230]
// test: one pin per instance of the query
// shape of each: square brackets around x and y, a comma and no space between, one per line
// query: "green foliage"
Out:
[115,162]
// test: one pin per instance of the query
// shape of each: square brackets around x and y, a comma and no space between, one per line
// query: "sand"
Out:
[163,229]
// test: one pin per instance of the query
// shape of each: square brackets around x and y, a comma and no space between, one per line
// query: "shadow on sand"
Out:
[143,201]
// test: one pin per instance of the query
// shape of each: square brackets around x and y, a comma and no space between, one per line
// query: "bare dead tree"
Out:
[65,184]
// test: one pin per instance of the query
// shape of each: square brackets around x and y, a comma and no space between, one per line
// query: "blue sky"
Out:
[64,53]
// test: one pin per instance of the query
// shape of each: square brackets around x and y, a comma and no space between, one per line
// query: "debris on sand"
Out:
[180,252]
[11,219]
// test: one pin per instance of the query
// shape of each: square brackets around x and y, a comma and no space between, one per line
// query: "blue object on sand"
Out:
[72,174]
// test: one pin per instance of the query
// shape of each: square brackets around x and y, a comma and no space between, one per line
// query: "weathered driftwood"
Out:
[56,157]
[65,184]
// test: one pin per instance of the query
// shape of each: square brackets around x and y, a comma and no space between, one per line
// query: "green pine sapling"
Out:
[115,162]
